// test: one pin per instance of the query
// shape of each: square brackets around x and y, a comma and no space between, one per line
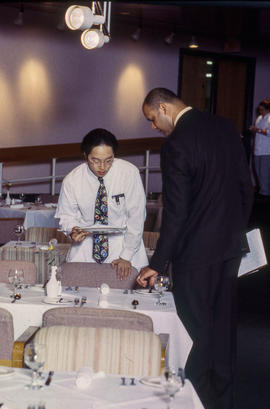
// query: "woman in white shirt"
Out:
[125,203]
[261,129]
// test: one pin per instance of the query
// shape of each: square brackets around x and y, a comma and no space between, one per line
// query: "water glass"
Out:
[161,284]
[171,383]
[34,358]
[15,277]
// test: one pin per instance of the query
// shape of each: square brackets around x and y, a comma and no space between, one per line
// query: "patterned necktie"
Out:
[100,241]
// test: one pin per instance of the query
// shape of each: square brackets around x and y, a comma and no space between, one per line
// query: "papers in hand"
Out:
[256,259]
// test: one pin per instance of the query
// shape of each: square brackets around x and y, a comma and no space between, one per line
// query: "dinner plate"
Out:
[104,229]
[55,301]
[154,381]
[145,291]
[6,372]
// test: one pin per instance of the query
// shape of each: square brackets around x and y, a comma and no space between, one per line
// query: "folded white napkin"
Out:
[17,206]
[50,205]
[102,301]
[104,289]
[85,376]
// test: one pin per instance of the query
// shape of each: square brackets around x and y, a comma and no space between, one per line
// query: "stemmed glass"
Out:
[171,383]
[19,230]
[38,201]
[15,277]
[161,284]
[34,358]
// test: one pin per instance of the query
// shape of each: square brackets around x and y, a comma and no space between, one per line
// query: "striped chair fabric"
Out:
[45,234]
[114,351]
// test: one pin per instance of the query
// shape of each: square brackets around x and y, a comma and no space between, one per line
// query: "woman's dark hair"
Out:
[98,137]
[265,103]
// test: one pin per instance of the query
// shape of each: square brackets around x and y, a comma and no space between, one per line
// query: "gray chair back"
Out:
[29,269]
[97,318]
[6,337]
[94,274]
[45,234]
[7,228]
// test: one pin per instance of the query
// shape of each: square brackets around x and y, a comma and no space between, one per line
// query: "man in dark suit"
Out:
[207,198]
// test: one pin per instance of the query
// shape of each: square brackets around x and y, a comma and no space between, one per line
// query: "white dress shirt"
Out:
[76,207]
[262,142]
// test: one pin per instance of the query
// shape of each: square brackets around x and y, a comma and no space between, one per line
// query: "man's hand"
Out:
[123,268]
[145,274]
[77,234]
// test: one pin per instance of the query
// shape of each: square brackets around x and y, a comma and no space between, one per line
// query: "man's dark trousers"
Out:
[206,300]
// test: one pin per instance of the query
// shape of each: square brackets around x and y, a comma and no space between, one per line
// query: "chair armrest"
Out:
[19,344]
[164,339]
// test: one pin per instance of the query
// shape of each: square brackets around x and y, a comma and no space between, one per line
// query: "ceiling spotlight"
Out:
[169,39]
[137,34]
[193,43]
[81,18]
[19,19]
[91,39]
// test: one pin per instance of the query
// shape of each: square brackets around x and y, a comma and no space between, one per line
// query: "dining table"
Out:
[41,215]
[103,392]
[28,311]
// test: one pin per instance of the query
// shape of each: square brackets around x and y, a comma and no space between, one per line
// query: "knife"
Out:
[49,379]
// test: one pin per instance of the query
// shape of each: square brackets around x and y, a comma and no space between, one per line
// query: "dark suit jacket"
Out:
[207,193]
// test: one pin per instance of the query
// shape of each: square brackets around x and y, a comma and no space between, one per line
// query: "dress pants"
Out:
[206,300]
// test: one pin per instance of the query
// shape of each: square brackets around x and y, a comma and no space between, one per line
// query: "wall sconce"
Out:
[83,18]
[19,19]
[193,43]
[169,39]
[137,34]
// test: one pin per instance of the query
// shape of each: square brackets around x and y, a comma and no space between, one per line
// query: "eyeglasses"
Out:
[99,162]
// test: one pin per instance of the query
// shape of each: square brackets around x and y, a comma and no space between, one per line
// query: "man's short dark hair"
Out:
[159,95]
[265,103]
[96,137]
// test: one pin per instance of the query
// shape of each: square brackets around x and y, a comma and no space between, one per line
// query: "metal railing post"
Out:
[147,164]
[53,176]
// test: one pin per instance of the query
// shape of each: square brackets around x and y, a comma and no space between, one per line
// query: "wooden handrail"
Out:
[44,153]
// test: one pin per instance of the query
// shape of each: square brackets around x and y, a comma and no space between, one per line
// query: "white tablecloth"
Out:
[103,393]
[29,309]
[33,215]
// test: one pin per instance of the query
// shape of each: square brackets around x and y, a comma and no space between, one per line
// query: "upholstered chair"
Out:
[29,269]
[97,317]
[112,350]
[6,337]
[94,274]
[45,234]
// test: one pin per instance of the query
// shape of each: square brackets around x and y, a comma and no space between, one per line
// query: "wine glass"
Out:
[15,277]
[19,230]
[22,197]
[34,358]
[38,201]
[171,383]
[161,284]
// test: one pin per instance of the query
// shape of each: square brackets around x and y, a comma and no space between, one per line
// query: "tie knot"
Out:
[100,180]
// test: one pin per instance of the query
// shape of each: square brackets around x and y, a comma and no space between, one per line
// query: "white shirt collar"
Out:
[181,113]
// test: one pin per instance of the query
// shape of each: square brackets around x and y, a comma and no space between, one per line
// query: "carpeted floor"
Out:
[253,375]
